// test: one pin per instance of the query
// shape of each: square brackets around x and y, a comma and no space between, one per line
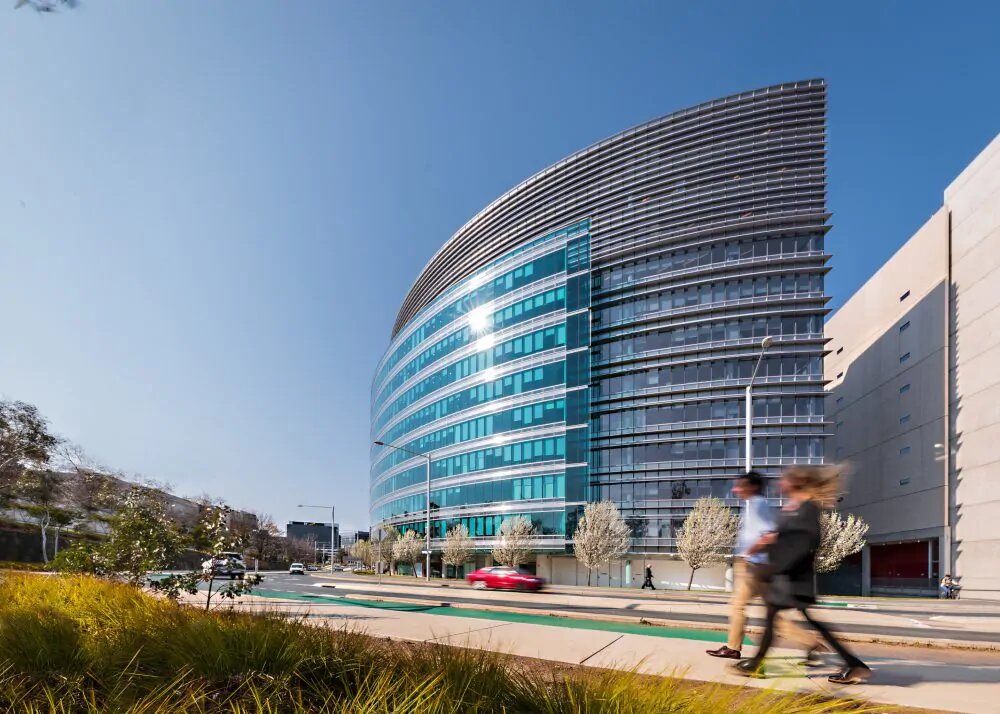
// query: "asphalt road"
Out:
[914,616]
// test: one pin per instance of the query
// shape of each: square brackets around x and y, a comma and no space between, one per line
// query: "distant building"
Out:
[913,397]
[317,532]
[349,538]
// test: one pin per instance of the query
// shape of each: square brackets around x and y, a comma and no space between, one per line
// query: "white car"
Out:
[296,569]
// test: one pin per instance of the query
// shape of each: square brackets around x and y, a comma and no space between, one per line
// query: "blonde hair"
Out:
[822,484]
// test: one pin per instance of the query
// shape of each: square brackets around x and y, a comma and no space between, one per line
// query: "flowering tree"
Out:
[382,546]
[362,551]
[459,548]
[408,549]
[841,537]
[222,543]
[601,536]
[707,536]
[513,544]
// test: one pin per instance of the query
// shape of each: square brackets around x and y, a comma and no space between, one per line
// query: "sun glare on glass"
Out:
[479,318]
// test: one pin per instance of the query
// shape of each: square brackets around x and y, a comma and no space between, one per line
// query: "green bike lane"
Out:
[501,616]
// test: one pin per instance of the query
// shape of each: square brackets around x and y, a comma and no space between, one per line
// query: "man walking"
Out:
[758,521]
[648,582]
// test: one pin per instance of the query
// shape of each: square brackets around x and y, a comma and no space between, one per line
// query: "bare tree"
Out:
[514,541]
[601,536]
[263,541]
[408,549]
[91,488]
[707,536]
[841,537]
[459,548]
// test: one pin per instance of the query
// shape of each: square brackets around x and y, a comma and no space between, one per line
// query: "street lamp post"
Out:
[764,344]
[333,530]
[427,525]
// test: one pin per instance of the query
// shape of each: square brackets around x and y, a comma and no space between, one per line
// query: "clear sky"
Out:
[210,211]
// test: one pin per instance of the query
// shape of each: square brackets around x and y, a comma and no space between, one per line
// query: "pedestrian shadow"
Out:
[903,673]
[888,673]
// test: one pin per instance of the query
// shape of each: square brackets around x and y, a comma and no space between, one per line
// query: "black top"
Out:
[791,558]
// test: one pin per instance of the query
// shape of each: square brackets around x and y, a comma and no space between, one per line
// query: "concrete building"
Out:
[914,397]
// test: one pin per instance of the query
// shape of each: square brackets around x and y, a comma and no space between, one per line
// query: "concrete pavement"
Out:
[925,678]
[971,624]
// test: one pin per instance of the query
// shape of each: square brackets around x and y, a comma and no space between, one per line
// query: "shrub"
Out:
[76,643]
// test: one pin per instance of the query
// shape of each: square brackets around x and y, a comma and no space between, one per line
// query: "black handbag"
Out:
[779,592]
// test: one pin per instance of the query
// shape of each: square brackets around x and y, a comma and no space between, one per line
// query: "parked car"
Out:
[230,564]
[296,569]
[500,578]
[312,568]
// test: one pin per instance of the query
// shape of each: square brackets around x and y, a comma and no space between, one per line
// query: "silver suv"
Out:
[227,564]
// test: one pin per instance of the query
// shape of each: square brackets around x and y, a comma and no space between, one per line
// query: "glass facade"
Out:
[590,334]
[491,382]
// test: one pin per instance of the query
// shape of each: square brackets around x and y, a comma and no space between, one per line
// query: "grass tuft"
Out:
[78,644]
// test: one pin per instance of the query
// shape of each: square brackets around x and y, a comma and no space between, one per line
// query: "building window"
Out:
[839,350]
[839,400]
[905,326]
[904,451]
[903,481]
[904,296]
[839,375]
[904,389]
[904,358]
[905,418]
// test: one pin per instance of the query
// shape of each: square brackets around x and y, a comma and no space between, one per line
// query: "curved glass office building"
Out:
[590,333]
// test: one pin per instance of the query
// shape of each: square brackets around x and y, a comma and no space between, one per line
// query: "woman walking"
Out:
[790,573]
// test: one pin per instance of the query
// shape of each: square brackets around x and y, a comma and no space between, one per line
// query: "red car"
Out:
[500,578]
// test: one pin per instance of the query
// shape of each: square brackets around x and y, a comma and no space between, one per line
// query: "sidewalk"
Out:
[924,683]
[916,623]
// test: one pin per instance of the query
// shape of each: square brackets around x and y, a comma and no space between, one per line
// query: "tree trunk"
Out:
[44,523]
[691,579]
[55,551]
[590,574]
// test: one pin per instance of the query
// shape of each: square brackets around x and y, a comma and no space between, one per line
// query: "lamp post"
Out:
[333,530]
[427,526]
[764,344]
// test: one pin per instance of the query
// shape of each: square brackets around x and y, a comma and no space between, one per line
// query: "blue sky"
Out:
[210,211]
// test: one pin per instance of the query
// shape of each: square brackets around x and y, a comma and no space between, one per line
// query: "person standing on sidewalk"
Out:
[790,571]
[756,523]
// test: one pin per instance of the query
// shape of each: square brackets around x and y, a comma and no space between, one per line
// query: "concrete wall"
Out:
[973,200]
[923,433]
[887,408]
[667,573]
